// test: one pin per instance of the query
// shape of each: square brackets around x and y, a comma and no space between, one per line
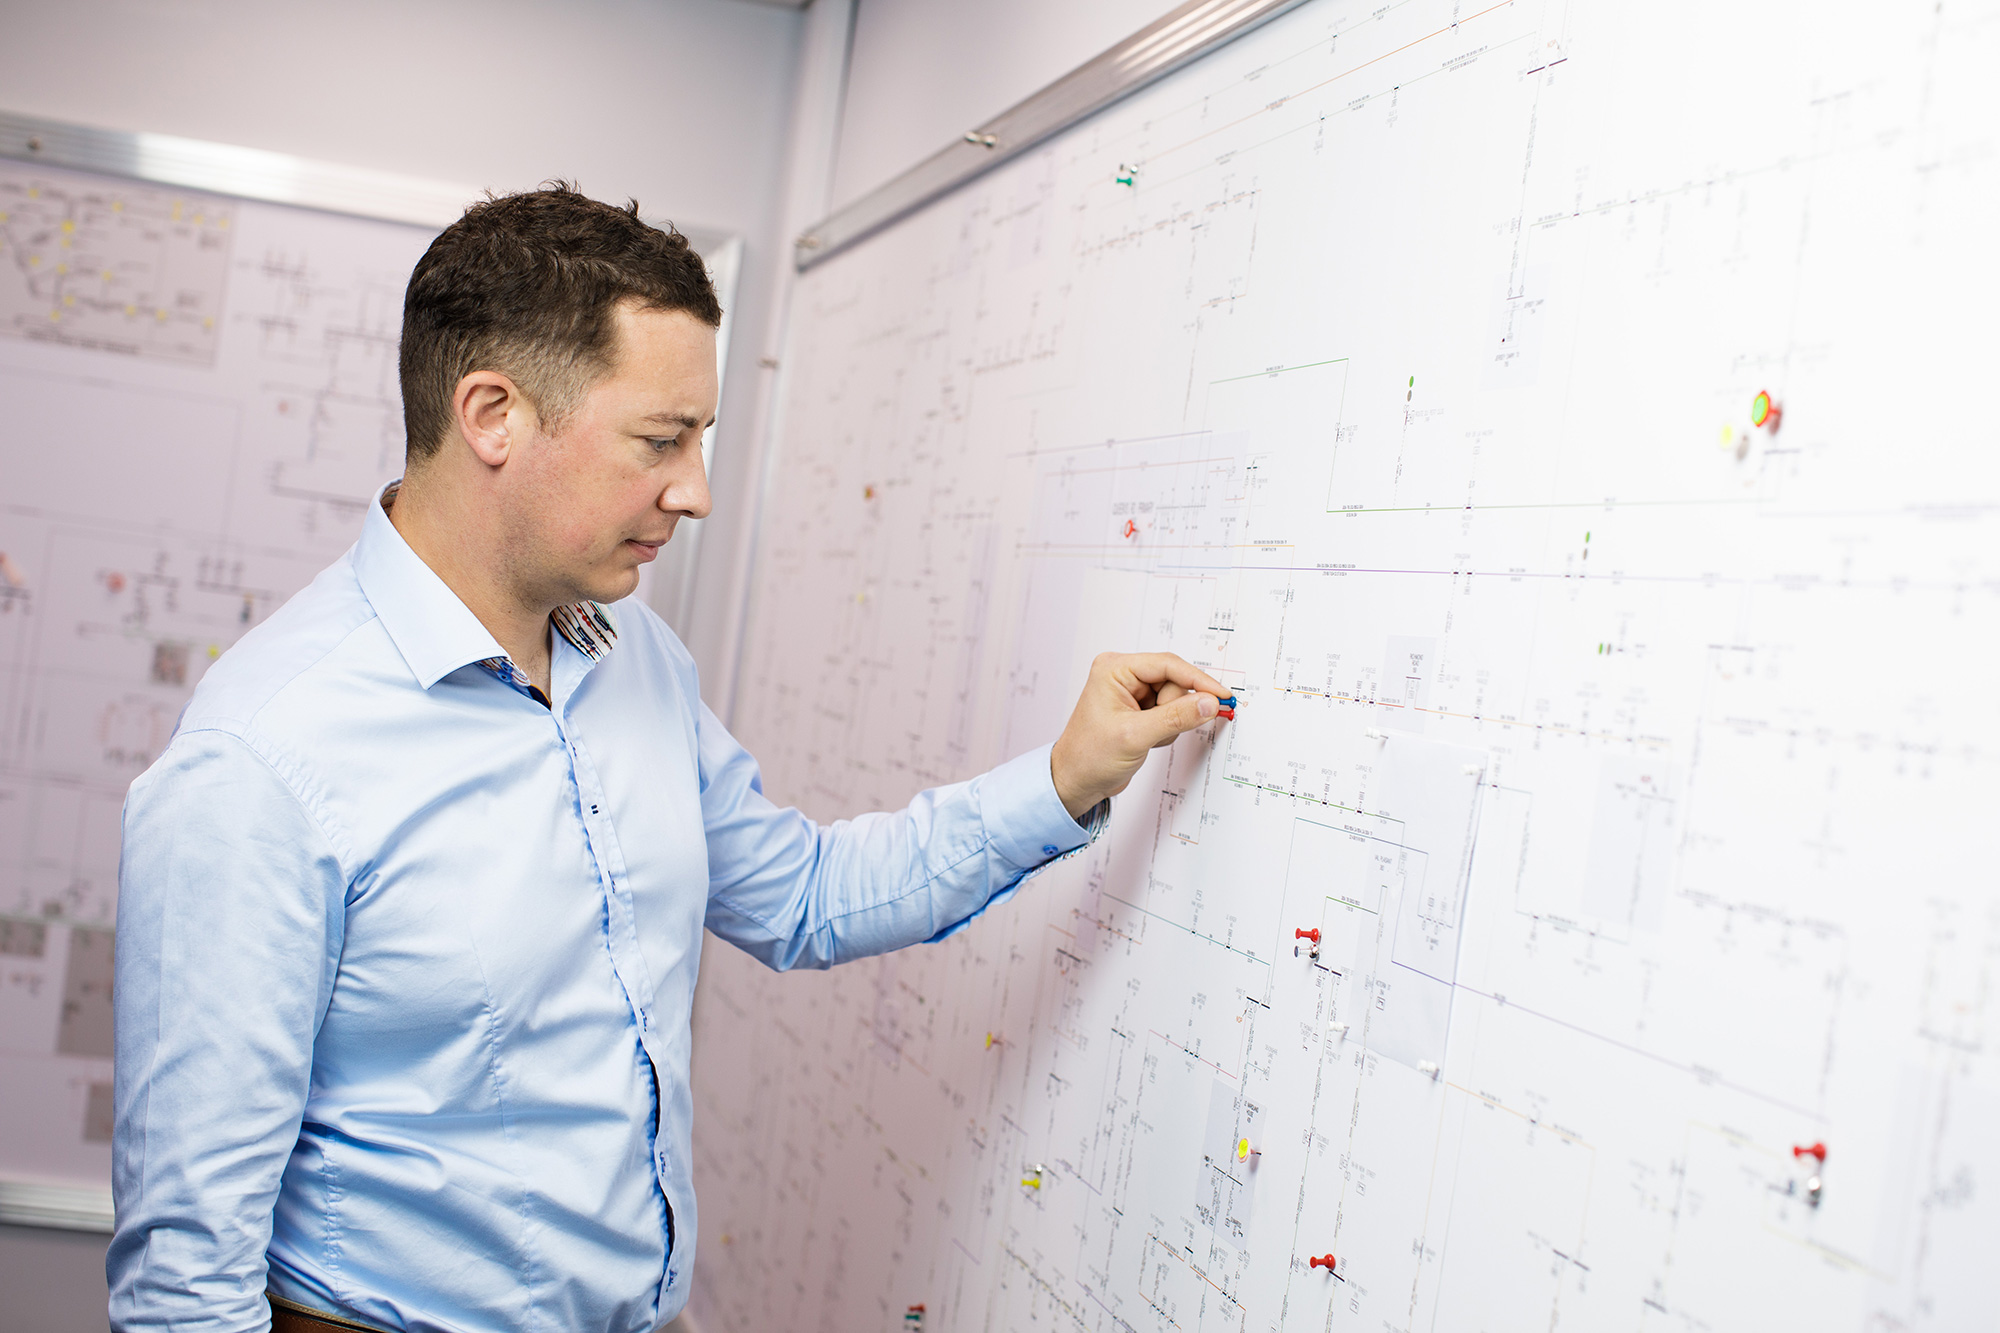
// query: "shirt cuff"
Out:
[1024,816]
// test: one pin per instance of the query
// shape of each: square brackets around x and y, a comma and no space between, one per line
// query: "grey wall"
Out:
[51,1281]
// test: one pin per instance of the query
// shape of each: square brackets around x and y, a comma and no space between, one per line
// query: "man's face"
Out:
[601,497]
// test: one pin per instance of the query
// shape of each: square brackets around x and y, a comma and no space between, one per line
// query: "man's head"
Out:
[558,371]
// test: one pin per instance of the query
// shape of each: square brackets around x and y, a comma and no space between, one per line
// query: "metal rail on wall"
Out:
[1155,51]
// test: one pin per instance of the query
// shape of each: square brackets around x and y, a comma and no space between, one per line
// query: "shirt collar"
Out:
[436,632]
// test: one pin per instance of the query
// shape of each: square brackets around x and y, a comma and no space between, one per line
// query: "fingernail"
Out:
[1207,705]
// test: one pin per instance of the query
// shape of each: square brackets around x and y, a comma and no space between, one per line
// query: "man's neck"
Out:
[449,541]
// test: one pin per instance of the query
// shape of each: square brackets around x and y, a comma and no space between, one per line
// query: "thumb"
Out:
[1167,721]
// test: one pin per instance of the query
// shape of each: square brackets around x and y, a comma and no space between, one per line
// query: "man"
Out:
[411,907]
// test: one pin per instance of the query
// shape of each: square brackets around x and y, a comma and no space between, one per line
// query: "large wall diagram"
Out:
[1562,425]
[199,395]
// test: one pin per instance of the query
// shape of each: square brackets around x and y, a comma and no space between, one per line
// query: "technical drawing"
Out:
[1586,920]
[114,266]
[152,514]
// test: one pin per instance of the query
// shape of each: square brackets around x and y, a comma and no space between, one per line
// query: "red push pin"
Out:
[1321,1261]
[1131,528]
[1312,934]
[1816,1150]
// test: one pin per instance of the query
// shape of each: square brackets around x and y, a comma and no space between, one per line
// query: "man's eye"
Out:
[660,445]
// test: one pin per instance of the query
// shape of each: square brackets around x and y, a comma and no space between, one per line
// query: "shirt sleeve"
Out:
[231,901]
[795,893]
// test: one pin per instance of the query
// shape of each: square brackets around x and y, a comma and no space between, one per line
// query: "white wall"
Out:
[925,71]
[683,104]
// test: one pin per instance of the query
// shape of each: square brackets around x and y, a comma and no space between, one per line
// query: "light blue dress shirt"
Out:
[405,960]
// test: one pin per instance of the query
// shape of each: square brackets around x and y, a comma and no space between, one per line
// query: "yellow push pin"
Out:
[1033,1180]
[1244,1152]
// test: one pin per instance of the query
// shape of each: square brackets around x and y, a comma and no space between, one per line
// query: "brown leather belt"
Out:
[289,1318]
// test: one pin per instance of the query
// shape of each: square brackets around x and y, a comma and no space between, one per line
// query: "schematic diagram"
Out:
[173,476]
[1586,919]
[114,266]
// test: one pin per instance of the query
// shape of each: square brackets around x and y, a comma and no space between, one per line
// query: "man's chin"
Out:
[612,585]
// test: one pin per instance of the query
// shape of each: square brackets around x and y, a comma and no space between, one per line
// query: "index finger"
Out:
[1160,668]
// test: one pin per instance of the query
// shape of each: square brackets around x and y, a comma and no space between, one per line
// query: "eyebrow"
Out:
[685,420]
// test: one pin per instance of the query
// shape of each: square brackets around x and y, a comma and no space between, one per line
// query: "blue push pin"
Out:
[1226,707]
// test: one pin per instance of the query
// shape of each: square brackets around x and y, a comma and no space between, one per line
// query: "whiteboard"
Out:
[200,396]
[1564,426]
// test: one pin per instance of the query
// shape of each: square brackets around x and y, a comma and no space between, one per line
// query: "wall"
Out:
[683,104]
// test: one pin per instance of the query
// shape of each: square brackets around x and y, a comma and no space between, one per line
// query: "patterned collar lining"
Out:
[587,625]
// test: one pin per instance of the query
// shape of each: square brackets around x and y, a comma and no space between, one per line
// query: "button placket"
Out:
[626,958]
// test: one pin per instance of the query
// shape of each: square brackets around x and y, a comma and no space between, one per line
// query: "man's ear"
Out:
[483,407]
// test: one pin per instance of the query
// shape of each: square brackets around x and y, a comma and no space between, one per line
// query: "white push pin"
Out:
[1473,770]
[1374,735]
[1428,1068]
[1336,1029]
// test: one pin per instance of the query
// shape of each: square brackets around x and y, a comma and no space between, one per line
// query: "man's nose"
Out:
[687,492]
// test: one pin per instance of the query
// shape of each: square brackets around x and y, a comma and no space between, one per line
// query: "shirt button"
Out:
[1049,850]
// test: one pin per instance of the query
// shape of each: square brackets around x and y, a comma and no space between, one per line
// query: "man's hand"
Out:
[1132,703]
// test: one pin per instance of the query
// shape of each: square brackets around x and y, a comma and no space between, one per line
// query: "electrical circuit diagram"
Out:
[1553,423]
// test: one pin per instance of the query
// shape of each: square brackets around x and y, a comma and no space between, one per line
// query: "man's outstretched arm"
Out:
[795,893]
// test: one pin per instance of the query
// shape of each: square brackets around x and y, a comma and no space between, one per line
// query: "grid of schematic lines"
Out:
[1559,424]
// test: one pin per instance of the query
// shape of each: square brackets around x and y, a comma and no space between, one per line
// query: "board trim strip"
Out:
[246,173]
[34,1203]
[1155,51]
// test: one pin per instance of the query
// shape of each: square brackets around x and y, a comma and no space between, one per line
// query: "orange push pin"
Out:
[1312,934]
[1817,1150]
[1321,1261]
[1764,411]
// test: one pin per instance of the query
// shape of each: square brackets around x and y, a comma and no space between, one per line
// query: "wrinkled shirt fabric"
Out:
[405,959]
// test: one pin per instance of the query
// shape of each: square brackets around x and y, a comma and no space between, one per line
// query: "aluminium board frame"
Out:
[1155,51]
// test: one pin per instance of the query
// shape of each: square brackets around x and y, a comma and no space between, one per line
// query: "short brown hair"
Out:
[526,285]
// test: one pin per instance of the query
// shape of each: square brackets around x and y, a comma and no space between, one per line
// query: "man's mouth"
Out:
[646,550]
